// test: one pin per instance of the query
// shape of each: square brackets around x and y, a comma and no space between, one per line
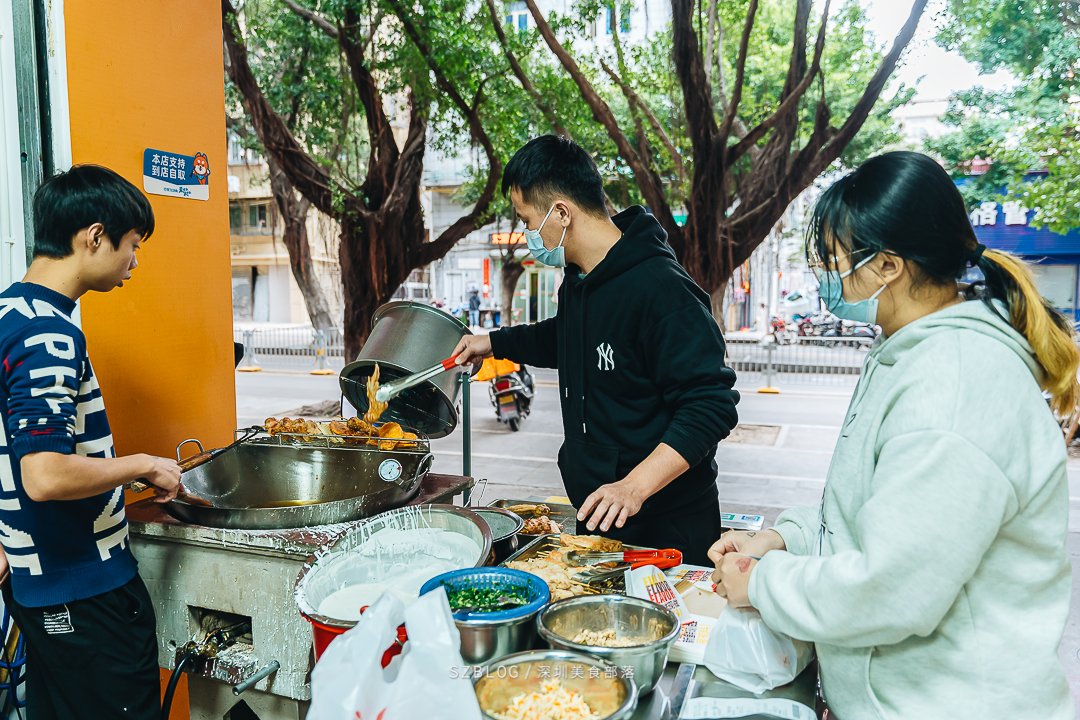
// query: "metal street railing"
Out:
[291,347]
[808,360]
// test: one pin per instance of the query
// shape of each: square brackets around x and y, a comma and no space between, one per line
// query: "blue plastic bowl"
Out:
[494,578]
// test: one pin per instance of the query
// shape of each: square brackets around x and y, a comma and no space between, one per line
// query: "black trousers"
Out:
[93,659]
[691,530]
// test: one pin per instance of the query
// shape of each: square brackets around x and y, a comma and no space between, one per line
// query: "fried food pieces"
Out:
[542,525]
[375,408]
[529,510]
[537,519]
[590,543]
[387,436]
[553,570]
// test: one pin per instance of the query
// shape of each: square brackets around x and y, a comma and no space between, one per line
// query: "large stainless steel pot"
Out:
[318,579]
[308,485]
[407,337]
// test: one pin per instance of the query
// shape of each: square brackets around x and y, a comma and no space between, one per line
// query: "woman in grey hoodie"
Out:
[934,577]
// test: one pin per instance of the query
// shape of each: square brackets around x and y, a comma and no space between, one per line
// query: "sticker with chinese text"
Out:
[176,175]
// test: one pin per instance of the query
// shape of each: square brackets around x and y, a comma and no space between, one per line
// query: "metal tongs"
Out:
[627,559]
[637,558]
[392,390]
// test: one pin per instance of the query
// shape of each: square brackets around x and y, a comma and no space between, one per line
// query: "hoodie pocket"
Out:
[585,466]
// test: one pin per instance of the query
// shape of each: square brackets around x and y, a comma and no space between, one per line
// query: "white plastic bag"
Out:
[745,652]
[425,681]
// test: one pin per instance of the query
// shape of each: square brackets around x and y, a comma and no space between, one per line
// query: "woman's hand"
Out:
[732,578]
[755,543]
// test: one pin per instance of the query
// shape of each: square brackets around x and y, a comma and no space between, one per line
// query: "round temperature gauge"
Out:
[390,470]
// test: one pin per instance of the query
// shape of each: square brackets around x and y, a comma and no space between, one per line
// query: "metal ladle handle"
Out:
[271,668]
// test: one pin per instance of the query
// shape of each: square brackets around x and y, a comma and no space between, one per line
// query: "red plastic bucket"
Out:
[325,634]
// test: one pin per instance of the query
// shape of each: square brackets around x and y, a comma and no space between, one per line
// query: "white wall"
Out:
[12,231]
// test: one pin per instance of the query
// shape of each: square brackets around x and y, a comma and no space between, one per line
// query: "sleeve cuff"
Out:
[498,344]
[793,537]
[53,442]
[683,445]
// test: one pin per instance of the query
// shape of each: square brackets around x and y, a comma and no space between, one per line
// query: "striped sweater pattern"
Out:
[59,550]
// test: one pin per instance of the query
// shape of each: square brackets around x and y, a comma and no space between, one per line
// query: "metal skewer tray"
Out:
[542,546]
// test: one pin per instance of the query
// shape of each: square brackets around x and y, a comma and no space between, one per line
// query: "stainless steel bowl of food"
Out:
[622,631]
[505,527]
[585,687]
[493,629]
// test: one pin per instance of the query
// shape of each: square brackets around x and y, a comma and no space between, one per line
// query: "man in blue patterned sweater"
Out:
[75,591]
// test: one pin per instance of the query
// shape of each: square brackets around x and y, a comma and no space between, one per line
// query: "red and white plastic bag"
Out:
[425,681]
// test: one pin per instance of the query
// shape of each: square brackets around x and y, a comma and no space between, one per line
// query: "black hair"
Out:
[551,165]
[87,194]
[905,204]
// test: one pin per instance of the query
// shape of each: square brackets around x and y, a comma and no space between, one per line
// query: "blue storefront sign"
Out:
[176,175]
[1056,258]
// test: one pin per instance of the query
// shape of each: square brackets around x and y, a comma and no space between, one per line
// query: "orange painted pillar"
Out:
[150,75]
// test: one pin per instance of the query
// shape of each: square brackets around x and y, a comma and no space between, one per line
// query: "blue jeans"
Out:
[474,318]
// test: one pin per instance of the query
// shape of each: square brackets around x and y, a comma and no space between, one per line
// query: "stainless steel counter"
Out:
[657,705]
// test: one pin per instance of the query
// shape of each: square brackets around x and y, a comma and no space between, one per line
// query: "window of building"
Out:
[624,22]
[236,217]
[609,26]
[239,155]
[521,19]
[257,218]
[1057,283]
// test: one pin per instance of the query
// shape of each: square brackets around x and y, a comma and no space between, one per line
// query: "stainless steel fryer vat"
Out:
[289,481]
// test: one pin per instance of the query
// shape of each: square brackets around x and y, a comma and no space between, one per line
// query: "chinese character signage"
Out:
[176,175]
[505,238]
[987,214]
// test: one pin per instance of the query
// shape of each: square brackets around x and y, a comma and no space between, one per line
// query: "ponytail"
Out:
[1049,333]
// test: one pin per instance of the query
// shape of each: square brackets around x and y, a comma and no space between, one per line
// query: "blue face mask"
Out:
[554,258]
[832,293]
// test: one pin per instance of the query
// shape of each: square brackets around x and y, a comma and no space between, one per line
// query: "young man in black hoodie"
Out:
[645,393]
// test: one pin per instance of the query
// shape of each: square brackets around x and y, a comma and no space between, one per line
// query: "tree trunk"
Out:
[717,297]
[295,238]
[511,271]
[374,261]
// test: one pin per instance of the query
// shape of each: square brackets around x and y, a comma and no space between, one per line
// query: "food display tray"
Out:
[565,515]
[544,544]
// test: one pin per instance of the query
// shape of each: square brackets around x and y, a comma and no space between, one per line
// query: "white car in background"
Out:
[797,302]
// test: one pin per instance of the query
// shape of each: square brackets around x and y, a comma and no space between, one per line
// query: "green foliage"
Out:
[851,57]
[1034,127]
[299,66]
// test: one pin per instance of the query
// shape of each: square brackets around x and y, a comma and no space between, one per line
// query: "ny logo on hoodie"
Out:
[607,357]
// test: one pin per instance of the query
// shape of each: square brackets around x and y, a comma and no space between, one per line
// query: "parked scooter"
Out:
[511,388]
[783,332]
[848,329]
